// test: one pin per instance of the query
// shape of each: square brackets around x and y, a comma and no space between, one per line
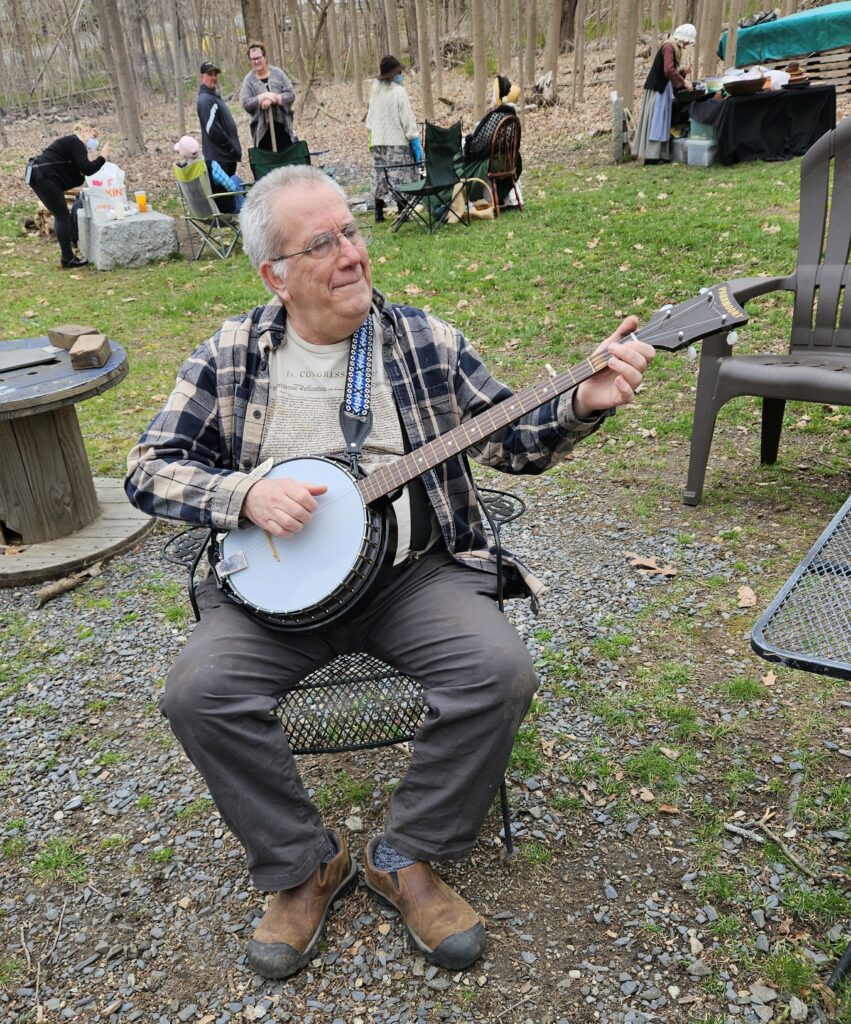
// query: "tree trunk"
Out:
[531,40]
[299,41]
[356,57]
[437,50]
[334,42]
[425,60]
[737,10]
[480,70]
[710,29]
[411,32]
[654,26]
[129,113]
[252,20]
[505,37]
[551,47]
[578,94]
[391,13]
[625,52]
[568,24]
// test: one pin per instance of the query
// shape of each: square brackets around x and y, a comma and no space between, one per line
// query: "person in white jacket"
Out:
[393,136]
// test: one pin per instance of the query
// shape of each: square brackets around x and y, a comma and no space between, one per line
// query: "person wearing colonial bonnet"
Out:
[477,145]
[667,76]
[393,135]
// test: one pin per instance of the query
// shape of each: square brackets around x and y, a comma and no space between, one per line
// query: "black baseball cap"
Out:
[208,67]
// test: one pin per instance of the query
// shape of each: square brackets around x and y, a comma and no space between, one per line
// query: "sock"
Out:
[333,849]
[386,858]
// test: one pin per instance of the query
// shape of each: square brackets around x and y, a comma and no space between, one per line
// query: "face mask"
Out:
[92,144]
[398,78]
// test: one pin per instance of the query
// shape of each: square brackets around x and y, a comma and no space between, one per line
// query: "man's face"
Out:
[258,63]
[326,299]
[210,79]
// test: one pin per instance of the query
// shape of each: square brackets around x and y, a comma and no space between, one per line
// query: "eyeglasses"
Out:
[326,244]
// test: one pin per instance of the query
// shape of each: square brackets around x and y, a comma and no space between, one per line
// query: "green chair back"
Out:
[262,161]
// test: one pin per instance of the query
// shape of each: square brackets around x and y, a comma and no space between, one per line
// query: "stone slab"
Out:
[131,242]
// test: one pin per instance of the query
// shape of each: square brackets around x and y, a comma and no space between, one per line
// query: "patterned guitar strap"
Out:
[355,411]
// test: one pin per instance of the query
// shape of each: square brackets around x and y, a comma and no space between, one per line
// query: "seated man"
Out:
[477,145]
[269,386]
[188,150]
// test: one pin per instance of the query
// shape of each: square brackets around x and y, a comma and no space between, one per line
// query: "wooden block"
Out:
[65,335]
[90,351]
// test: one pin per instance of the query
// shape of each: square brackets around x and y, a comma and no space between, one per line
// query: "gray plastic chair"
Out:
[817,367]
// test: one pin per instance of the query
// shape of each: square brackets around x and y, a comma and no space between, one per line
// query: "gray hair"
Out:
[262,237]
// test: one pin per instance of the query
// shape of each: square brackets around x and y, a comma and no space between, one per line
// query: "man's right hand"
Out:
[281,507]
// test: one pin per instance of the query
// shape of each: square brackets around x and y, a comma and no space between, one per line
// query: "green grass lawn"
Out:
[593,245]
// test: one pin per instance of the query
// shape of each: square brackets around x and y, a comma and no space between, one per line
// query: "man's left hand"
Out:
[615,385]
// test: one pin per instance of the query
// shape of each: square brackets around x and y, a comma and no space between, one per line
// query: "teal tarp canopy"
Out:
[824,28]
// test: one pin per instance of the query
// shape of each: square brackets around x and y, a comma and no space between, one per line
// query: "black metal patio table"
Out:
[808,624]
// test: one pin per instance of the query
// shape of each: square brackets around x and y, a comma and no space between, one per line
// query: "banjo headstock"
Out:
[715,309]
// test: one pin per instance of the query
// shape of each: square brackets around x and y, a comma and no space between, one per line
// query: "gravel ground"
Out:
[124,898]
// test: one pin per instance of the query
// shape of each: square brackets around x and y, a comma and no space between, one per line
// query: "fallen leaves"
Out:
[649,566]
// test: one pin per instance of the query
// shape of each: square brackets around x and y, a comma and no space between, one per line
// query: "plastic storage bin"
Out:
[701,152]
[698,130]
[679,151]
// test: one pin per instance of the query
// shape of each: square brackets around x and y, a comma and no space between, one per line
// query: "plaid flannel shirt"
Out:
[194,461]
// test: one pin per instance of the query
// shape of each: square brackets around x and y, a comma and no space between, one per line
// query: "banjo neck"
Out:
[389,478]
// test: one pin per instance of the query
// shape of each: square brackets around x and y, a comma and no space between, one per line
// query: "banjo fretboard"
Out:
[396,474]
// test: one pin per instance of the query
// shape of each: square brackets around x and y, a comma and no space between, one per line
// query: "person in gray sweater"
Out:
[268,96]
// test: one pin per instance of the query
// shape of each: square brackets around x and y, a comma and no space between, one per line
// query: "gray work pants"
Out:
[432,618]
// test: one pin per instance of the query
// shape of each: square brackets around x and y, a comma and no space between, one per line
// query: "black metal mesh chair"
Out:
[357,701]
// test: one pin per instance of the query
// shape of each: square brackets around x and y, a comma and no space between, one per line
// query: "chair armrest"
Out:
[746,288]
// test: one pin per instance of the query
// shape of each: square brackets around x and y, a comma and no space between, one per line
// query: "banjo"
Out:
[308,580]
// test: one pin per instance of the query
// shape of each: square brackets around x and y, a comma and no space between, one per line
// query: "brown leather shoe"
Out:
[287,937]
[442,925]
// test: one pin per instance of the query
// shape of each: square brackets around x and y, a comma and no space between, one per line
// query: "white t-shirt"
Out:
[307,383]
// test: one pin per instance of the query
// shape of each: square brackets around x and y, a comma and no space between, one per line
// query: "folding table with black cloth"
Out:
[771,124]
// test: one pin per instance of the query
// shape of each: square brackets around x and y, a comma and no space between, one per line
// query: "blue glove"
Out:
[417,149]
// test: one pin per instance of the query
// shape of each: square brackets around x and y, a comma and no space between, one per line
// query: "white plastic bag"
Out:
[104,191]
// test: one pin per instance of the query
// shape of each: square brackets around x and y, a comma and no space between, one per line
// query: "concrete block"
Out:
[92,350]
[130,242]
[65,335]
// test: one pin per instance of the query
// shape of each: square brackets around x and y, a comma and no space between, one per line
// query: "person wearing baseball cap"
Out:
[219,134]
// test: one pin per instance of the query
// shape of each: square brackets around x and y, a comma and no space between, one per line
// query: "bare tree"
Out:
[625,51]
[253,21]
[392,15]
[567,29]
[531,47]
[437,49]
[116,53]
[578,93]
[553,41]
[425,61]
[505,36]
[480,71]
[710,30]
[356,57]
[737,8]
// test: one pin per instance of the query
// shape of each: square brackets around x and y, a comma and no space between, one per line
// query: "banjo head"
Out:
[290,576]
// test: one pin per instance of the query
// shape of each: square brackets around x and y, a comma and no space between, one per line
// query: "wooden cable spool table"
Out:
[54,516]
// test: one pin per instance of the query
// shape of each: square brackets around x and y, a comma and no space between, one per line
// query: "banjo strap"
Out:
[355,411]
